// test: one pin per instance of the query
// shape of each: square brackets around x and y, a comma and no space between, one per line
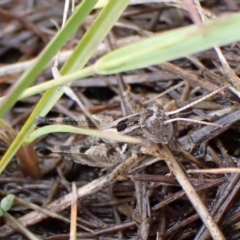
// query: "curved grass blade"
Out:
[171,45]
[76,130]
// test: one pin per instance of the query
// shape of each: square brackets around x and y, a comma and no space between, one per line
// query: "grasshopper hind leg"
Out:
[95,156]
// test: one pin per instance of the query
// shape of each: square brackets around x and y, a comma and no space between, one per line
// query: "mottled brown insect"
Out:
[151,124]
[147,125]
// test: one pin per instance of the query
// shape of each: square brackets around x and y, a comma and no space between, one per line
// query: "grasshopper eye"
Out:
[44,150]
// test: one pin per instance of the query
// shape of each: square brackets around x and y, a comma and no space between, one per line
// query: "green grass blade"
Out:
[47,54]
[73,23]
[102,25]
[63,80]
[171,45]
[84,50]
[95,35]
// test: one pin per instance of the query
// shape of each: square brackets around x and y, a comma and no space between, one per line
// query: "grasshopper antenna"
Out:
[192,120]
[197,101]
